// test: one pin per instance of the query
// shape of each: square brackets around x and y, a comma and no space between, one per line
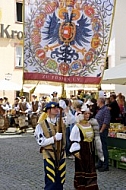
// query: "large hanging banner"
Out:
[67,40]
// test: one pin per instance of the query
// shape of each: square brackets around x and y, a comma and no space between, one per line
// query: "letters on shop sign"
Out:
[6,33]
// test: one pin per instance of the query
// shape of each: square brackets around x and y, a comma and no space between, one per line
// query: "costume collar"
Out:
[52,120]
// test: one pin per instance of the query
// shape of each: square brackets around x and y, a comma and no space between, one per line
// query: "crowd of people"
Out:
[21,113]
[78,127]
[69,127]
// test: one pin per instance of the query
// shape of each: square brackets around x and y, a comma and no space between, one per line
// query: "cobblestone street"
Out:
[21,167]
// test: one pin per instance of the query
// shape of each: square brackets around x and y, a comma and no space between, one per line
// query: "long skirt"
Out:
[85,173]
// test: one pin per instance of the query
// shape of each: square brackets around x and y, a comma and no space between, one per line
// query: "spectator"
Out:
[114,109]
[103,118]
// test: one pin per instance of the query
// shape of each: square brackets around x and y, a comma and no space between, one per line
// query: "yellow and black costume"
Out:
[55,168]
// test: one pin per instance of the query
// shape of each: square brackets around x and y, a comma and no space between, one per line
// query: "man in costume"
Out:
[55,98]
[50,135]
[24,111]
[36,105]
[36,109]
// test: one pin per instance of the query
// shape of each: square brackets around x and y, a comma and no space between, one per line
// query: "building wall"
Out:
[117,47]
[120,38]
[7,46]
[120,31]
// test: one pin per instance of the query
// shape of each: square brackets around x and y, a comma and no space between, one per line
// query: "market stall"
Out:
[117,145]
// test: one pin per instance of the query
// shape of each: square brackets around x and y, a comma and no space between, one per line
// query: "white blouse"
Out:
[75,136]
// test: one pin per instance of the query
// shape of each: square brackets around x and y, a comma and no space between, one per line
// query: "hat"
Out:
[101,94]
[17,98]
[50,105]
[85,108]
[54,93]
[33,95]
[22,97]
[5,98]
[44,97]
[89,102]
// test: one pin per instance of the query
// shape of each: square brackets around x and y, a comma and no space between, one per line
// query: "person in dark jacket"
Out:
[114,109]
[103,118]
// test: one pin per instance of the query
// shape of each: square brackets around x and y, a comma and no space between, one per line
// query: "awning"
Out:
[115,75]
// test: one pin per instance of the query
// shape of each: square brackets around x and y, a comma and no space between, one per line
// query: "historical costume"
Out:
[4,121]
[36,109]
[14,113]
[84,139]
[55,98]
[50,135]
[24,111]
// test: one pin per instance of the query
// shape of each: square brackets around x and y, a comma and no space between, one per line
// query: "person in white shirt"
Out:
[24,112]
[36,109]
[6,105]
[84,139]
[50,134]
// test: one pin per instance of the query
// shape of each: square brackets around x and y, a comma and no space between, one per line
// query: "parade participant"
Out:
[43,102]
[15,106]
[84,139]
[14,112]
[4,121]
[35,108]
[69,124]
[36,105]
[24,106]
[6,105]
[90,104]
[55,98]
[48,137]
[24,111]
[77,104]
[103,118]
[2,111]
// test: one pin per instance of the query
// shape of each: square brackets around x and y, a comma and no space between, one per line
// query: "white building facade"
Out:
[117,48]
[11,43]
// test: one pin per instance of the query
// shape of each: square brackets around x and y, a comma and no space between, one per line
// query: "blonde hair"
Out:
[77,104]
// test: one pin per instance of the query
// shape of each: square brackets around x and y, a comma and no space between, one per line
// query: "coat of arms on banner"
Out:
[67,40]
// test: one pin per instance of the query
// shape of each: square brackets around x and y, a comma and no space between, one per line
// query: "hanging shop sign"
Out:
[11,34]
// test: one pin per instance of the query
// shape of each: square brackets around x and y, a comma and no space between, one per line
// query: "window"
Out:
[18,58]
[19,11]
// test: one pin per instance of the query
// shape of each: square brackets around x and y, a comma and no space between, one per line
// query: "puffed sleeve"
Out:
[40,138]
[75,139]
[70,118]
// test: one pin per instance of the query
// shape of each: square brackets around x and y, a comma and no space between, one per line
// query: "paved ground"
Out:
[21,167]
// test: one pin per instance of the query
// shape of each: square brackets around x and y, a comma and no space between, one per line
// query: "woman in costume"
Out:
[84,139]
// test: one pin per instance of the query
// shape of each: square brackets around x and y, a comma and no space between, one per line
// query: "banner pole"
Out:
[59,143]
